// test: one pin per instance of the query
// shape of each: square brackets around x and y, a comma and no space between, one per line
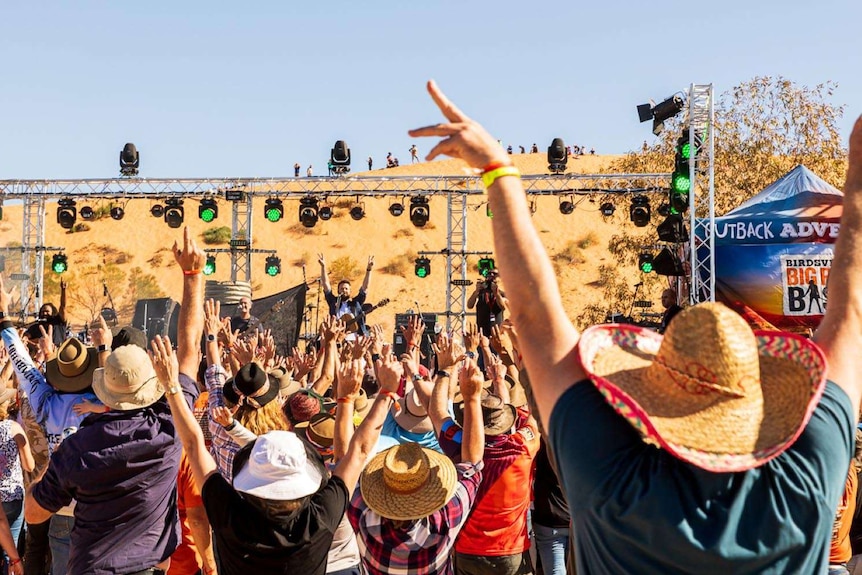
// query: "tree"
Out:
[87,288]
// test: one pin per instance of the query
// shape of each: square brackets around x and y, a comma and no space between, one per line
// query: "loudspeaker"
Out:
[400,346]
[157,317]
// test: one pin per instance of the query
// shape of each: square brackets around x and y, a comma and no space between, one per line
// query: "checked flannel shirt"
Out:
[223,447]
[421,547]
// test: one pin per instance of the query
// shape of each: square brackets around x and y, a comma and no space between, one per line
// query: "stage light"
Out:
[273,266]
[567,207]
[557,156]
[325,213]
[645,262]
[607,209]
[208,210]
[209,266]
[273,209]
[308,212]
[130,160]
[339,157]
[420,212]
[486,266]
[658,113]
[680,180]
[664,210]
[673,230]
[667,264]
[396,208]
[357,212]
[117,212]
[639,212]
[423,267]
[88,213]
[157,211]
[174,212]
[66,213]
[59,263]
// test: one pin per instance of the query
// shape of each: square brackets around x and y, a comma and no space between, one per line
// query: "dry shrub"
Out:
[400,265]
[403,233]
[301,230]
[343,268]
[570,254]
[215,236]
[588,241]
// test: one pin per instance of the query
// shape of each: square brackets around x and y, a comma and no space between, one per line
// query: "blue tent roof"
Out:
[800,192]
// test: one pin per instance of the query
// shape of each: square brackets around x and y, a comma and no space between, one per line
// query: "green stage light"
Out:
[210,266]
[274,210]
[645,263]
[486,266]
[423,267]
[680,180]
[59,264]
[273,266]
[208,210]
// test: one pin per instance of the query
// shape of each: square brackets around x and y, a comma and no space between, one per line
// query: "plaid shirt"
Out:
[223,448]
[421,547]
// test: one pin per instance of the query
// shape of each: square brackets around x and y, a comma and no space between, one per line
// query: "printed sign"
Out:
[804,279]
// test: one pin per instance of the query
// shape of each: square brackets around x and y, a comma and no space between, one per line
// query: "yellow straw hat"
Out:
[711,391]
[408,482]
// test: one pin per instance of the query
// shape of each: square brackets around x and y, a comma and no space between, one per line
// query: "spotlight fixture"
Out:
[208,210]
[680,180]
[357,212]
[88,213]
[486,266]
[66,213]
[117,212]
[157,211]
[130,160]
[423,267]
[658,113]
[174,212]
[308,212]
[557,156]
[673,230]
[667,264]
[339,157]
[273,209]
[273,266]
[210,266]
[325,213]
[567,207]
[645,262]
[420,212]
[396,208]
[59,264]
[607,209]
[639,212]
[664,210]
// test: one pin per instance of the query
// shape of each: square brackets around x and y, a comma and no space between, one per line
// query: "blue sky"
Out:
[222,89]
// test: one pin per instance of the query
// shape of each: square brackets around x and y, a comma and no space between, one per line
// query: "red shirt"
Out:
[185,560]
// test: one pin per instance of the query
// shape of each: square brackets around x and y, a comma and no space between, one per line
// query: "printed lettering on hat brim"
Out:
[792,381]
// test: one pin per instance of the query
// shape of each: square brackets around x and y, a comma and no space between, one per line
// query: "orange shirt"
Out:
[840,551]
[185,560]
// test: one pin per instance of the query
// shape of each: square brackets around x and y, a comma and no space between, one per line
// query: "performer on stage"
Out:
[342,304]
[244,321]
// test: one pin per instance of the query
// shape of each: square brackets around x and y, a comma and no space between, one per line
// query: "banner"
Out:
[804,280]
[281,313]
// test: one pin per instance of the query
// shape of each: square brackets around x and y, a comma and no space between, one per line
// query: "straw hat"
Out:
[711,391]
[128,380]
[408,482]
[498,417]
[412,416]
[71,370]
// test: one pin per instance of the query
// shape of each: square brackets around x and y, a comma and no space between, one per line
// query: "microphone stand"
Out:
[107,294]
[431,341]
[634,299]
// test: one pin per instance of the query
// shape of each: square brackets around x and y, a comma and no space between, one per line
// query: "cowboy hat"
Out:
[128,380]
[411,415]
[711,391]
[408,482]
[71,370]
[277,466]
[321,430]
[361,407]
[498,417]
[251,386]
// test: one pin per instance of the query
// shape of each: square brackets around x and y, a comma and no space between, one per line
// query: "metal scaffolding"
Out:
[701,115]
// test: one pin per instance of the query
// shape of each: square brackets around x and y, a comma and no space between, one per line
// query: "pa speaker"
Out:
[157,317]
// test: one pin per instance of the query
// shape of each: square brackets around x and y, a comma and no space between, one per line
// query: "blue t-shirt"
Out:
[638,509]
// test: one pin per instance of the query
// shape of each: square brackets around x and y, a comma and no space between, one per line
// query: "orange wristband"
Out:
[345,400]
[494,165]
[191,272]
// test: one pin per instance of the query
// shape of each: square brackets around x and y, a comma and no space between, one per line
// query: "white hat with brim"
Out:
[128,380]
[279,469]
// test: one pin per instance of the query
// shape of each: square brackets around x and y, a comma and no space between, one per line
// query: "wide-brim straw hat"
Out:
[408,482]
[71,369]
[711,391]
[128,380]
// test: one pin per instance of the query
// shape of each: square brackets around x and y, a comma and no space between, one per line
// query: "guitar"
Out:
[351,324]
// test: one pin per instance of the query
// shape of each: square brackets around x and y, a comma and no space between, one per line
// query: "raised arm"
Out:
[191,321]
[61,312]
[367,279]
[449,353]
[349,382]
[549,338]
[324,275]
[840,332]
[473,444]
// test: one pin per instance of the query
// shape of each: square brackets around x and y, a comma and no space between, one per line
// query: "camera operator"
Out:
[490,302]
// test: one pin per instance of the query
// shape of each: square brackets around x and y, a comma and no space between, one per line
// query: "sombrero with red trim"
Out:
[711,391]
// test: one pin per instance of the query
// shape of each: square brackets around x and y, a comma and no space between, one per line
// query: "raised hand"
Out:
[100,333]
[471,337]
[164,361]
[221,415]
[448,351]
[470,379]
[413,330]
[5,297]
[190,257]
[462,137]
[212,321]
[46,342]
[349,377]
[377,339]
[389,371]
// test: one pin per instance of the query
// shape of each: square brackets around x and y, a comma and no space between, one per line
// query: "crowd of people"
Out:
[709,448]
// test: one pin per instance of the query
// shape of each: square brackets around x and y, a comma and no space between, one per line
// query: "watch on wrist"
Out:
[211,337]
[101,348]
[174,389]
[471,354]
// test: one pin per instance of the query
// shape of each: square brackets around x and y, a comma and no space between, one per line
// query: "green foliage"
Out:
[216,236]
[143,285]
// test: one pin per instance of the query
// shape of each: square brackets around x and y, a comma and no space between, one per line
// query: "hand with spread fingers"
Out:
[100,334]
[471,337]
[164,361]
[349,377]
[389,371]
[448,351]
[462,137]
[470,379]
